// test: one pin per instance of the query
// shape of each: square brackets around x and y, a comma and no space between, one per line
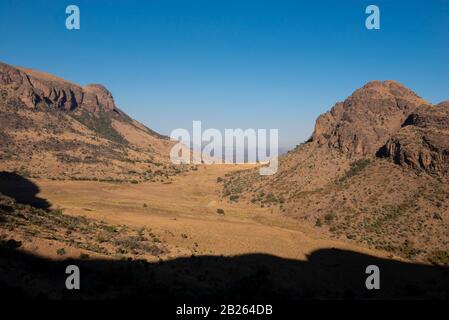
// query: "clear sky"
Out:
[230,64]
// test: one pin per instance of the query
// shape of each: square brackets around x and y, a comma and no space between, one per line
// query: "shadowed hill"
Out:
[21,189]
[327,274]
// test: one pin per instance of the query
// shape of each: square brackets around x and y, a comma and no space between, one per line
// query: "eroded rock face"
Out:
[35,88]
[10,75]
[361,124]
[423,141]
[97,97]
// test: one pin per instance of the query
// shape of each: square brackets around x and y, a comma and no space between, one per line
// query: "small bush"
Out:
[57,212]
[355,168]
[329,217]
[220,211]
[110,229]
[439,257]
[84,256]
[234,197]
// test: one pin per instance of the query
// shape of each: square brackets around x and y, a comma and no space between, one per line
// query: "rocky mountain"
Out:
[423,141]
[375,171]
[34,88]
[53,128]
[361,124]
[386,119]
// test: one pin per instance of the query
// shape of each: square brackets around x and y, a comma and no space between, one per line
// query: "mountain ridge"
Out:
[34,87]
[58,129]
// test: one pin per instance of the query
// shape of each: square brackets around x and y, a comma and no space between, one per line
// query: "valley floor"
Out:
[169,240]
[184,214]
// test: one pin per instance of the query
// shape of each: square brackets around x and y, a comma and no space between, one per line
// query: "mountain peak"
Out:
[385,88]
[362,123]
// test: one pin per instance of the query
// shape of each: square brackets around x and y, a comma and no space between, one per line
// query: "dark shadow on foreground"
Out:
[326,274]
[21,189]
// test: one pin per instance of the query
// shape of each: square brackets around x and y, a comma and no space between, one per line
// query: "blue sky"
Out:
[230,64]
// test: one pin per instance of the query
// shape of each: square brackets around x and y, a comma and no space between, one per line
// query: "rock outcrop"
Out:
[423,141]
[363,123]
[35,88]
[96,97]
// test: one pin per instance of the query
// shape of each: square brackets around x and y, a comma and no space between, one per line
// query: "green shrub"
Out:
[110,229]
[57,212]
[355,168]
[84,256]
[439,257]
[234,197]
[102,125]
[329,217]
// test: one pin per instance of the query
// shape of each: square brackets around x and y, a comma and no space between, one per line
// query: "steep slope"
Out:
[423,141]
[347,182]
[53,128]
